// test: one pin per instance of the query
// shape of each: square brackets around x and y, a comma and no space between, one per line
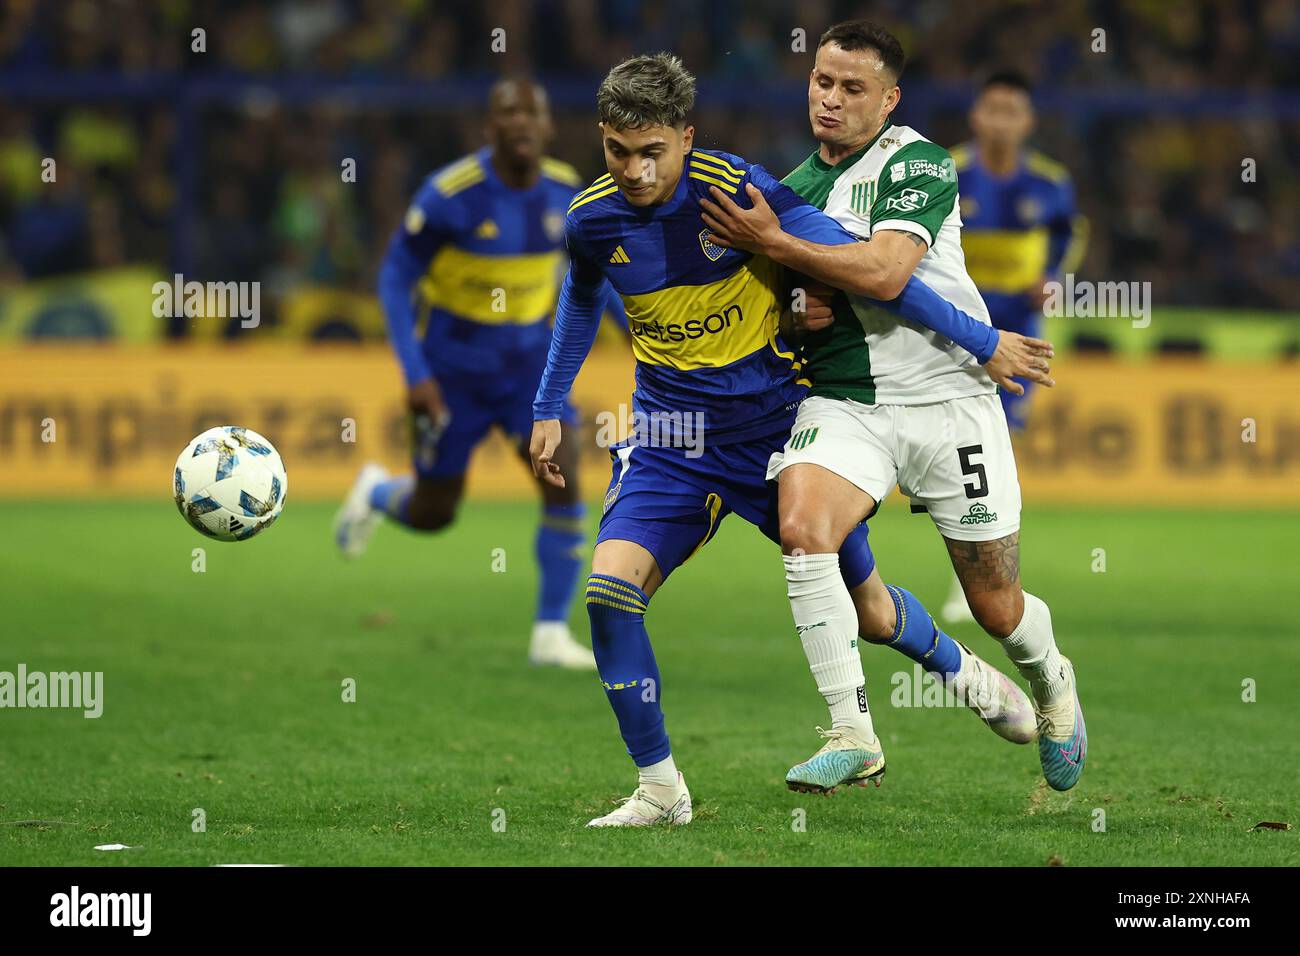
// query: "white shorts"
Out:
[953,459]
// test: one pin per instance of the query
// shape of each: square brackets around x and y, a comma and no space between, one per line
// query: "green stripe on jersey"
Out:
[837,360]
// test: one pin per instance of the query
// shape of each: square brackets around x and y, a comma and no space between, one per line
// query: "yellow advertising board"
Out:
[109,420]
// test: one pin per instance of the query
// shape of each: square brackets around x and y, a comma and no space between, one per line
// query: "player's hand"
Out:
[754,230]
[817,313]
[1020,356]
[425,398]
[541,451]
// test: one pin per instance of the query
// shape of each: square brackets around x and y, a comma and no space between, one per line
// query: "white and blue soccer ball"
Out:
[230,483]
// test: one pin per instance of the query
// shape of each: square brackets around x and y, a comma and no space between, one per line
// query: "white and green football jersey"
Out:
[898,181]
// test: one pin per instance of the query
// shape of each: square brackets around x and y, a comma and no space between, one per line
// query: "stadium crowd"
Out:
[1162,187]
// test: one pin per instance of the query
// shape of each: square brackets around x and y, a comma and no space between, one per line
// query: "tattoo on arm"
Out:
[916,240]
[986,565]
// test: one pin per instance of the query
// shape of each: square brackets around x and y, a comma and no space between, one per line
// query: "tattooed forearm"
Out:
[916,240]
[986,565]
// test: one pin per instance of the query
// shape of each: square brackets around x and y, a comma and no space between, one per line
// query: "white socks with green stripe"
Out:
[1032,648]
[827,623]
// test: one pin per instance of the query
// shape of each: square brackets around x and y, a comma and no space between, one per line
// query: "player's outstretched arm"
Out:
[577,319]
[881,270]
[398,273]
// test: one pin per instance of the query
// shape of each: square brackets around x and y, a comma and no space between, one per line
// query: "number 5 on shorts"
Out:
[981,486]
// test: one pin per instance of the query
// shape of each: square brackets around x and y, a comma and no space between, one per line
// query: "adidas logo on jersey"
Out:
[619,257]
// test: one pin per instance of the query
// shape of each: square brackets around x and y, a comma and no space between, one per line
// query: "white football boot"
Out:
[356,521]
[995,698]
[649,806]
[552,645]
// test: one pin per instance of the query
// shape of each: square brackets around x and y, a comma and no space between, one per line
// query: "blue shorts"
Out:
[479,398]
[672,504]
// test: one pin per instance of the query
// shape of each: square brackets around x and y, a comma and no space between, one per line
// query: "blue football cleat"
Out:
[1062,735]
[843,759]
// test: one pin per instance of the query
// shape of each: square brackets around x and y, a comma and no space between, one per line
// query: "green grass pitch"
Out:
[223,691]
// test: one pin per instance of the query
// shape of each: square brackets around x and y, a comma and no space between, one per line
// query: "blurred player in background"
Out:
[482,249]
[1020,228]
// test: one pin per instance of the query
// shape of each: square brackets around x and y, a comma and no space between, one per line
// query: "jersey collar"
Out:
[822,166]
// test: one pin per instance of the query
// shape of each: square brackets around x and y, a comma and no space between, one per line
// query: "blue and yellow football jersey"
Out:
[703,319]
[489,260]
[1016,230]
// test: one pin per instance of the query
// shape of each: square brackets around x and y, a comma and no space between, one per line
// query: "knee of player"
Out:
[998,612]
[806,532]
[430,515]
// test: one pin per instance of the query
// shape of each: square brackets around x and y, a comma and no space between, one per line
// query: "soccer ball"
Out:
[229,483]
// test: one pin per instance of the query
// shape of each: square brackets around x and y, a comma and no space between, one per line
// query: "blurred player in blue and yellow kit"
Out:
[480,255]
[716,391]
[1020,227]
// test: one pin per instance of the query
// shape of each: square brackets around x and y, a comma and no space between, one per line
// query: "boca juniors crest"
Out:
[711,249]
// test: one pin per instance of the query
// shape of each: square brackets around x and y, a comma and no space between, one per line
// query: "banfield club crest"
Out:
[711,249]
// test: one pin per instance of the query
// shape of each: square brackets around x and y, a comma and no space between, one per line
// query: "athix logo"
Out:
[102,909]
[979,514]
[79,690]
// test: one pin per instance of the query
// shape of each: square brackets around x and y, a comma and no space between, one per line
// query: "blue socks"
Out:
[560,550]
[918,637]
[627,665]
[393,496]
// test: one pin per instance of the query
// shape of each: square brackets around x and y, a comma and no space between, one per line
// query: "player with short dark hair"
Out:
[894,404]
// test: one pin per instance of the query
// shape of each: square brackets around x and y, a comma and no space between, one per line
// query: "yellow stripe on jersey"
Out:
[713,180]
[706,326]
[561,172]
[601,183]
[458,176]
[717,163]
[795,364]
[961,156]
[592,195]
[1047,168]
[1005,260]
[715,171]
[495,290]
